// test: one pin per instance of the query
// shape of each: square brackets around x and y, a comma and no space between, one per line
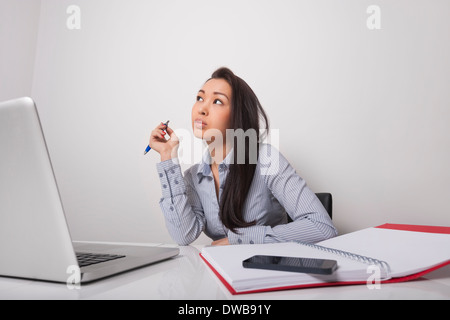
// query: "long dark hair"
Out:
[246,113]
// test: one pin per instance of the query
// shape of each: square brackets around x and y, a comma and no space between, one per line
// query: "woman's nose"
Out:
[202,110]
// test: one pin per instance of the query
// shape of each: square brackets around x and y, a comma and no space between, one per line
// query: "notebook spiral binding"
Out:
[357,257]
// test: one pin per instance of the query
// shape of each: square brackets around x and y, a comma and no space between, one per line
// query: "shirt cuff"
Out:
[171,178]
[250,235]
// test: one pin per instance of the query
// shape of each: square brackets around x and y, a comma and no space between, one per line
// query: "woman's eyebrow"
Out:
[218,93]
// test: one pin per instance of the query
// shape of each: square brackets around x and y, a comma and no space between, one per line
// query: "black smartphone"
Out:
[292,264]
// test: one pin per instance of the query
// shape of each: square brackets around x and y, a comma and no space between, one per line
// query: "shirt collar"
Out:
[204,168]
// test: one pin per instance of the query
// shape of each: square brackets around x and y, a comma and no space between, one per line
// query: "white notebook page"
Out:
[407,252]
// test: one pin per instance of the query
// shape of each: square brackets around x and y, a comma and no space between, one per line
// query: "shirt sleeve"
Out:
[311,222]
[180,204]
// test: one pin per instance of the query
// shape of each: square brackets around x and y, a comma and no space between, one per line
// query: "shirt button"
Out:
[160,175]
[239,241]
[165,186]
[171,208]
[176,181]
[251,242]
[172,171]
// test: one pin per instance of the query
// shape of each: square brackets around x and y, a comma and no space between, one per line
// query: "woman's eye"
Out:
[217,101]
[199,98]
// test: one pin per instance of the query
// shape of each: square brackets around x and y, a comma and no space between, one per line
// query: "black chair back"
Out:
[327,202]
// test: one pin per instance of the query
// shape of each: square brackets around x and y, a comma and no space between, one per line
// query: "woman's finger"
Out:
[169,131]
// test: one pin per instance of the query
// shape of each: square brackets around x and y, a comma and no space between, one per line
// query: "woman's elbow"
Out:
[329,232]
[183,239]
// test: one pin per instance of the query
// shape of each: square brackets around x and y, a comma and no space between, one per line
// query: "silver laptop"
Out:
[35,242]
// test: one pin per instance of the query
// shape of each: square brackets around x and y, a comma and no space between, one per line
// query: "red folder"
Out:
[402,227]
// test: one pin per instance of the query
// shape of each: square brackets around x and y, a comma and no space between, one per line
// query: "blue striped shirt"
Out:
[190,204]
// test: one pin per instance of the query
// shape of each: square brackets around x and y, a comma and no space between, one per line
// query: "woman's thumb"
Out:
[172,134]
[169,131]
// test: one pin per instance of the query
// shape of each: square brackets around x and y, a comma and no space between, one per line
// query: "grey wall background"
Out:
[19,22]
[363,114]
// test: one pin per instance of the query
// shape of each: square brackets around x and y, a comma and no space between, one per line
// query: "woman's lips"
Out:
[199,124]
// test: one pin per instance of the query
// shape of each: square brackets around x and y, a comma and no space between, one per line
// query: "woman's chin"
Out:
[198,133]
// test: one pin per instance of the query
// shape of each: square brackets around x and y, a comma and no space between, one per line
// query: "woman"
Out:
[230,195]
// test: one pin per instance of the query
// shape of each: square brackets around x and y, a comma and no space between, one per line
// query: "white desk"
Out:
[187,277]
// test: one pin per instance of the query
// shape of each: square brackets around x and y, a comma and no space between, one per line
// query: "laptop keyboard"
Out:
[87,259]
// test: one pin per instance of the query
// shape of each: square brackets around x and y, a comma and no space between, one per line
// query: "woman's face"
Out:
[211,112]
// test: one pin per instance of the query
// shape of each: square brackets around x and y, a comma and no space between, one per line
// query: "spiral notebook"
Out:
[388,253]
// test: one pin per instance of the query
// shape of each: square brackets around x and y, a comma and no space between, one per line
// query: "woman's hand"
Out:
[168,149]
[221,242]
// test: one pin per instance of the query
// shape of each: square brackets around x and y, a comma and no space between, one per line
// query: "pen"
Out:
[148,147]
